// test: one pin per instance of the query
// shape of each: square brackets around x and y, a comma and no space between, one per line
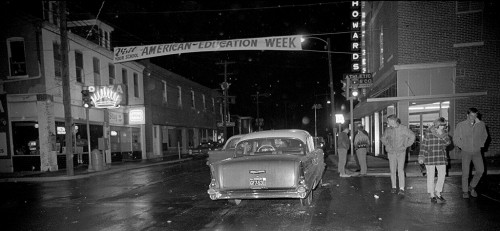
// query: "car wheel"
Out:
[308,200]
[236,201]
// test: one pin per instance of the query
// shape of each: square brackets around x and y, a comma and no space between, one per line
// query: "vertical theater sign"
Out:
[355,36]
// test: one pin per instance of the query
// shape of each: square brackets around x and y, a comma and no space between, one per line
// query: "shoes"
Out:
[358,170]
[465,195]
[434,200]
[441,198]
[401,192]
[344,175]
[394,190]
[472,191]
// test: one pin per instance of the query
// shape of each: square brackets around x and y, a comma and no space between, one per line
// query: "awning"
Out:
[372,105]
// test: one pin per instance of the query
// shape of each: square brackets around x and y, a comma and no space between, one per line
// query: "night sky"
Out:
[295,79]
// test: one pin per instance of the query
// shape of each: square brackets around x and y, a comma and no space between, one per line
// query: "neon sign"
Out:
[106,96]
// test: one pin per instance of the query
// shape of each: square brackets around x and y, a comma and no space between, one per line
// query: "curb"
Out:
[104,172]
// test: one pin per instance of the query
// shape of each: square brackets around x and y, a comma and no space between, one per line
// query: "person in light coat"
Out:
[396,139]
[470,136]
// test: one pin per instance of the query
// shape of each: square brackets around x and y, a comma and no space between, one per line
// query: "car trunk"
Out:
[257,172]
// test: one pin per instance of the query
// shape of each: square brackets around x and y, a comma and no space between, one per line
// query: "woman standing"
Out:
[361,145]
[433,155]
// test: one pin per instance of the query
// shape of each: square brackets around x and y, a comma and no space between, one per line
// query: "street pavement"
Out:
[377,166]
[82,171]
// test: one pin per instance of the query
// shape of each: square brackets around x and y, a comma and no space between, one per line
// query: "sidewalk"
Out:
[82,170]
[379,166]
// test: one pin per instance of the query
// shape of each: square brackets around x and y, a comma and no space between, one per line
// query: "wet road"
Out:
[173,197]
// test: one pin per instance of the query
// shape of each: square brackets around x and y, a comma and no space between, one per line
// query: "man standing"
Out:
[396,139]
[343,145]
[470,136]
[362,145]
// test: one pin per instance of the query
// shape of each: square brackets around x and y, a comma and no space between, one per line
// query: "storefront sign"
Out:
[110,96]
[355,36]
[116,118]
[136,116]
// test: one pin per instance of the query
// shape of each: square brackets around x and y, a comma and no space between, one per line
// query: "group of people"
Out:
[469,136]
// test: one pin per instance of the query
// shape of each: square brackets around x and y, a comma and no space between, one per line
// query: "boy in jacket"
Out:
[470,136]
[396,139]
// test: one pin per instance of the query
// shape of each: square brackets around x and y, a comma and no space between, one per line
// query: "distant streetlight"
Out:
[316,107]
[332,93]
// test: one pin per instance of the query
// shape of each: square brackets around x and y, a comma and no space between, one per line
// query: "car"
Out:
[269,164]
[201,151]
[227,150]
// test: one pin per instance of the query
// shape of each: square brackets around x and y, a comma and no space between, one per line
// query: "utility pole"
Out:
[68,118]
[225,86]
[258,120]
[332,95]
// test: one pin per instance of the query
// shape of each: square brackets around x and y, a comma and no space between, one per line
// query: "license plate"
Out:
[258,181]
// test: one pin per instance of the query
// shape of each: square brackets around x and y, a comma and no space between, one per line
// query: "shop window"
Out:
[25,138]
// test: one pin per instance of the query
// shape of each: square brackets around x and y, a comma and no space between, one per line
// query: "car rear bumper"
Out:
[256,194]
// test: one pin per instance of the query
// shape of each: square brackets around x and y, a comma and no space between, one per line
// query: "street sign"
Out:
[228,124]
[365,79]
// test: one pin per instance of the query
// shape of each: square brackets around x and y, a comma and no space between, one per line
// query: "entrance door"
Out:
[157,151]
[421,118]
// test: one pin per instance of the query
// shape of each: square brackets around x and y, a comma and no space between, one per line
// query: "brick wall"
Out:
[428,32]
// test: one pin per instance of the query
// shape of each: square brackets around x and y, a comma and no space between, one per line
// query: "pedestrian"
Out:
[433,155]
[343,146]
[470,136]
[362,144]
[397,138]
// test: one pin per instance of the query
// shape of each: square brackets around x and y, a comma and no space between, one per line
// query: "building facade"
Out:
[33,128]
[430,59]
[180,114]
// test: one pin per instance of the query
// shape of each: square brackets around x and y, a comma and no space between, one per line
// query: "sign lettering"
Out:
[123,54]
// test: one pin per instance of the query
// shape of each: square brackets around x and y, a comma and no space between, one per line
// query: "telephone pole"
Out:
[68,118]
[225,86]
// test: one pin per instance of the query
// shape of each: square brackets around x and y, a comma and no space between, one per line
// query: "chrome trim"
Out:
[256,171]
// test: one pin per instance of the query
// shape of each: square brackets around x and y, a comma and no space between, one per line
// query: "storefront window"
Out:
[25,138]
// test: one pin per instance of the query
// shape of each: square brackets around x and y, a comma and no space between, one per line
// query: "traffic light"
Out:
[354,87]
[345,87]
[86,100]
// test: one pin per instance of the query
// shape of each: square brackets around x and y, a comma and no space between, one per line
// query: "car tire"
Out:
[308,200]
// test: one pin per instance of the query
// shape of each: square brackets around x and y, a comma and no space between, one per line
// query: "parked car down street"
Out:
[227,150]
[201,151]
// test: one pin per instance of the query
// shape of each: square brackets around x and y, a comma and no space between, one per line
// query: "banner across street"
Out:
[123,54]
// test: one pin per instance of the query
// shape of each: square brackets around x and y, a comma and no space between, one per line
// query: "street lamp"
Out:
[332,96]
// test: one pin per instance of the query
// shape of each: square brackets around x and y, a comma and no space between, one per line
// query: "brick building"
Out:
[179,112]
[431,59]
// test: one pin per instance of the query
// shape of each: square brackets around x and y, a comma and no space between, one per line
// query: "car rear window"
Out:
[270,146]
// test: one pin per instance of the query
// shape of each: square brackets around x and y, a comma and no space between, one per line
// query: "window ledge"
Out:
[473,44]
